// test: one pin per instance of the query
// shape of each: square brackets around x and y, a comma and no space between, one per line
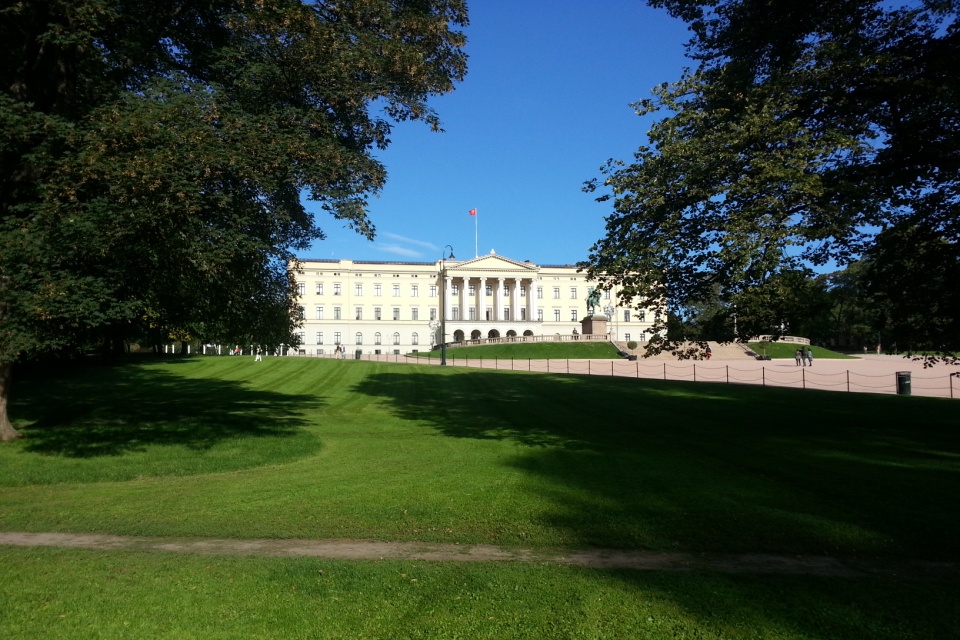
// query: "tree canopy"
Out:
[806,131]
[153,154]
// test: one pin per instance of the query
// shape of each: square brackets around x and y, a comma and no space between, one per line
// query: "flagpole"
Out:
[476,241]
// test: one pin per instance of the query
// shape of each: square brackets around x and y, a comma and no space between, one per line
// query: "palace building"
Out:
[396,307]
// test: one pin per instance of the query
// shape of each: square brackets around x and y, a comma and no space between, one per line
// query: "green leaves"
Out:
[154,155]
[792,144]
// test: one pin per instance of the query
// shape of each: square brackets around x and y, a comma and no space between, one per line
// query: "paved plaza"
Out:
[870,373]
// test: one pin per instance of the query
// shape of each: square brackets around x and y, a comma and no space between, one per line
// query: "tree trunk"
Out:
[7,432]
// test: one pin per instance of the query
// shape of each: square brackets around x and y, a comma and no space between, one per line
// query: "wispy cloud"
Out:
[413,241]
[401,251]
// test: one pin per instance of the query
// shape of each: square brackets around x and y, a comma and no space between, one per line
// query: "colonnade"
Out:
[515,296]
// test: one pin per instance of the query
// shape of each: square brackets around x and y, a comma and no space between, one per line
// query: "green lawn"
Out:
[310,448]
[530,351]
[786,350]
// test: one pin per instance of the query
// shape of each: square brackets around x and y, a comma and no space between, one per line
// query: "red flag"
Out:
[473,212]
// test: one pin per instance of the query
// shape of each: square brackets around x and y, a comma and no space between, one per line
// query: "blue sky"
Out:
[545,103]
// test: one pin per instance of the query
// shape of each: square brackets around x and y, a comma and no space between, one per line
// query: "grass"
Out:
[70,594]
[307,448]
[530,351]
[787,350]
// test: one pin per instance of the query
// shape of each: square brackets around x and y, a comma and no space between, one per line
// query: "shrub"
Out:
[632,345]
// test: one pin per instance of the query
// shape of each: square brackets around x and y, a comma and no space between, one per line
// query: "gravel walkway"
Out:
[755,563]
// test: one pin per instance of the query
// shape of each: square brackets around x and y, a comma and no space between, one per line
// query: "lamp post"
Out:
[443,302]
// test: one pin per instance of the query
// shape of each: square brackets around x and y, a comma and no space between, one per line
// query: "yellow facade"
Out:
[395,307]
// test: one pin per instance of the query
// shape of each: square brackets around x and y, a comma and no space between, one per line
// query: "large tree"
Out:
[153,154]
[806,129]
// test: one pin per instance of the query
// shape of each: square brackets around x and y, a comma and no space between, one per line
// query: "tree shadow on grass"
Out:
[100,411]
[708,468]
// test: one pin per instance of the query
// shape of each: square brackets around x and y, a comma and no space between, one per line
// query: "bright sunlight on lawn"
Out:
[301,448]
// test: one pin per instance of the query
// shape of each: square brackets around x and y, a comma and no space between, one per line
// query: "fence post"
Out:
[664,370]
[848,380]
[611,368]
[728,374]
[803,376]
[589,370]
[694,371]
[638,375]
[763,375]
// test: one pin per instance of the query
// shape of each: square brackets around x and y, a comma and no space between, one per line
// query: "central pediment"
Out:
[494,263]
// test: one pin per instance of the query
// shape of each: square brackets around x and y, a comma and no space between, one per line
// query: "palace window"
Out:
[414,339]
[396,313]
[626,315]
[573,293]
[556,293]
[358,289]
[336,313]
[377,290]
[396,291]
[415,313]
[376,313]
[358,315]
[396,338]
[319,311]
[433,291]
[573,315]
[336,288]
[415,291]
[376,338]
[319,337]
[301,288]
[319,288]
[556,315]
[359,338]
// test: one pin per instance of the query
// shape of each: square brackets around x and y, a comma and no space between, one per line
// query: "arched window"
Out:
[376,338]
[414,339]
[396,338]
[359,338]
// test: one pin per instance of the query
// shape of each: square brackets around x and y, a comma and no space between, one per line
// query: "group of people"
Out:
[804,357]
[339,353]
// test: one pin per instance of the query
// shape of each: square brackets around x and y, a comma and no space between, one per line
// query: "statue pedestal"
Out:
[593,325]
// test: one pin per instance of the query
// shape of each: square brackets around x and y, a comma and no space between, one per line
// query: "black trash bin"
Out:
[358,354]
[903,383]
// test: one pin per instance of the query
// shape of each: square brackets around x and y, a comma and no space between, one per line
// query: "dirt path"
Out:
[757,563]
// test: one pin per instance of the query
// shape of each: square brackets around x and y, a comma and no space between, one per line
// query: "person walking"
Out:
[259,355]
[809,354]
[798,357]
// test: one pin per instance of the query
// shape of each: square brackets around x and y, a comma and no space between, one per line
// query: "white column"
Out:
[498,300]
[532,300]
[515,302]
[445,308]
[481,300]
